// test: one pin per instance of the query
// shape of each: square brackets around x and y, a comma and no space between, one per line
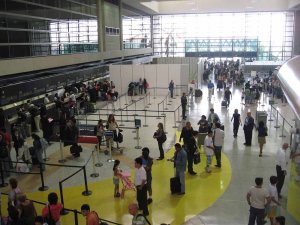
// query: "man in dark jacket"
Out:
[248,128]
[183,105]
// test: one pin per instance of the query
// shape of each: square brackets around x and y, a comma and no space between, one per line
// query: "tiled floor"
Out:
[229,208]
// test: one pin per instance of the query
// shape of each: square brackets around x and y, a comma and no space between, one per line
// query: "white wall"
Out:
[157,75]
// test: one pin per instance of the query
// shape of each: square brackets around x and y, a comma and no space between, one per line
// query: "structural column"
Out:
[101,26]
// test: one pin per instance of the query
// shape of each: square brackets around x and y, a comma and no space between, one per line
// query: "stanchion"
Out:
[163,113]
[137,139]
[178,115]
[149,99]
[145,114]
[145,102]
[86,192]
[121,124]
[119,104]
[158,117]
[63,211]
[45,156]
[277,125]
[135,107]
[3,184]
[94,174]
[62,160]
[154,93]
[175,120]
[76,216]
[134,117]
[166,108]
[126,100]
[43,187]
[109,149]
[270,119]
[165,125]
[127,120]
[282,134]
[98,164]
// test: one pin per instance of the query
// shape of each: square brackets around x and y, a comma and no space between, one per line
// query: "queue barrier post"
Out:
[76,217]
[282,129]
[43,187]
[62,160]
[86,192]
[94,174]
[270,119]
[165,125]
[145,117]
[175,119]
[121,124]
[63,211]
[149,98]
[137,139]
[98,164]
[158,117]
[277,125]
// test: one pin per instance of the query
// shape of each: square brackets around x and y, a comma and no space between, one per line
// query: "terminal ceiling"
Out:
[207,6]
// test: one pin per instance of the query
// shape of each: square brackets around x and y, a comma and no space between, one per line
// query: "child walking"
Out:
[209,150]
[116,178]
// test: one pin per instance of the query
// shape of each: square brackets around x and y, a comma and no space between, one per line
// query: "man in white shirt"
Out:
[218,142]
[140,181]
[46,100]
[209,150]
[257,198]
[281,163]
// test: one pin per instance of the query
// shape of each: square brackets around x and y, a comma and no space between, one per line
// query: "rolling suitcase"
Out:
[224,103]
[198,93]
[175,185]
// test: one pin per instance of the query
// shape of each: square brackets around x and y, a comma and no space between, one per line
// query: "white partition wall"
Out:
[115,76]
[150,75]
[157,75]
[126,76]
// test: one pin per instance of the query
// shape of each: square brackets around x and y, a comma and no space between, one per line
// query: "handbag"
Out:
[197,158]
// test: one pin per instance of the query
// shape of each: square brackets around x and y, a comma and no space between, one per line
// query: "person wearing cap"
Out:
[147,164]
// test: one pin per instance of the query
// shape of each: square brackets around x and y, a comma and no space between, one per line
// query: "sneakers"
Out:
[192,173]
[149,201]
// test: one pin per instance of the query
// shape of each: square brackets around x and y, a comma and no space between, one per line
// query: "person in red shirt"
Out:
[55,207]
[92,217]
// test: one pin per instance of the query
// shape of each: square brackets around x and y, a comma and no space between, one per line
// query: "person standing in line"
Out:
[54,206]
[183,105]
[180,166]
[145,85]
[112,125]
[92,217]
[262,133]
[236,117]
[218,142]
[209,150]
[38,150]
[257,198]
[227,96]
[100,132]
[140,182]
[147,164]
[210,87]
[281,163]
[137,219]
[248,128]
[171,88]
[158,135]
[141,86]
[274,203]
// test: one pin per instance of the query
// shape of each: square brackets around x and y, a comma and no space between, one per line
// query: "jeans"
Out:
[141,197]
[161,150]
[280,177]
[218,154]
[181,176]
[183,111]
[256,214]
[190,159]
[171,91]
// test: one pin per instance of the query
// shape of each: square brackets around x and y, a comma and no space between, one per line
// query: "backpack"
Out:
[49,220]
[163,137]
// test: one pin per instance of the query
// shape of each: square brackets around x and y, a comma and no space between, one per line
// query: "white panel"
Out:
[137,72]
[174,74]
[162,79]
[177,61]
[150,75]
[115,76]
[184,74]
[126,76]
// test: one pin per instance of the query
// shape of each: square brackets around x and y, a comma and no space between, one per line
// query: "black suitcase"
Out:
[175,185]
[198,93]
[224,103]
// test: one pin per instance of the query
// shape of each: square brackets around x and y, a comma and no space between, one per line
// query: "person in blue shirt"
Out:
[210,87]
[180,159]
[248,128]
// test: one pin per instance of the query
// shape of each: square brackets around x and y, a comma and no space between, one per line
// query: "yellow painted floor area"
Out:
[202,191]
[293,193]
